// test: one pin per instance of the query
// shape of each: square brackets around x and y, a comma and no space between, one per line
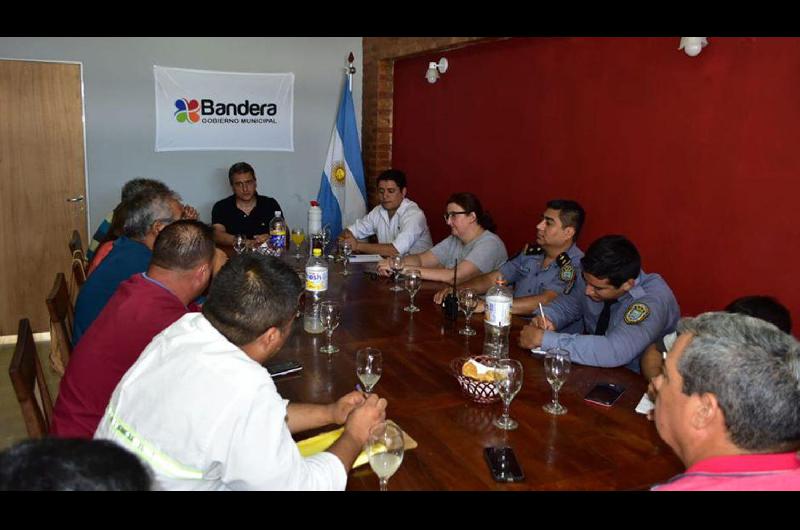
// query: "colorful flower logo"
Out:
[187,110]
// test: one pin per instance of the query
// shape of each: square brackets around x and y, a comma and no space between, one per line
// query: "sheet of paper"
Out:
[645,405]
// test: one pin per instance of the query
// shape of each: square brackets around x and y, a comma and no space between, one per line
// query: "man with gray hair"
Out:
[728,404]
[110,226]
[147,213]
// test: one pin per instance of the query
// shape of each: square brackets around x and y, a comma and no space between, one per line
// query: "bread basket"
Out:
[483,392]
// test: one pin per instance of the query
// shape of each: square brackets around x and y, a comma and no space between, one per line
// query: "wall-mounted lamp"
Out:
[692,46]
[435,69]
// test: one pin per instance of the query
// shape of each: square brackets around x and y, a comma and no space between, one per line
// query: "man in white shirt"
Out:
[399,223]
[202,411]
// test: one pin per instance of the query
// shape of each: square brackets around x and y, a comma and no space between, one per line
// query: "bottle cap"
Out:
[317,252]
[314,203]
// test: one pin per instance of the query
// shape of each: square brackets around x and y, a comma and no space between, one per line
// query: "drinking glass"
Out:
[347,251]
[467,302]
[330,314]
[556,368]
[369,367]
[396,264]
[239,244]
[413,283]
[298,236]
[508,380]
[326,238]
[385,448]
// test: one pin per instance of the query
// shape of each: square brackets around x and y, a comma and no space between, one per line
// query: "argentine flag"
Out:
[342,192]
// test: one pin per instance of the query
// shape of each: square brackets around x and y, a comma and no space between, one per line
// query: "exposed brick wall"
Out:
[377,94]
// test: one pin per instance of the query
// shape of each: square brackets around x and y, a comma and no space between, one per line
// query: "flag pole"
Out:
[350,71]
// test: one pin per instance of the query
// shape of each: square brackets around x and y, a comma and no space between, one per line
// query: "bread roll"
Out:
[475,370]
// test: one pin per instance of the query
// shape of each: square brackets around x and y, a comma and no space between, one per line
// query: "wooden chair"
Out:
[79,265]
[26,375]
[62,316]
[76,246]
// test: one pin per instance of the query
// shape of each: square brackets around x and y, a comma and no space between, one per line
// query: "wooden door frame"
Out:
[10,339]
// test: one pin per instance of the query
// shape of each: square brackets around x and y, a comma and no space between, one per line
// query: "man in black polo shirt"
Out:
[245,212]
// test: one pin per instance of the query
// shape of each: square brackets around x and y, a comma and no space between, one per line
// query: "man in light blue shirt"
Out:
[623,311]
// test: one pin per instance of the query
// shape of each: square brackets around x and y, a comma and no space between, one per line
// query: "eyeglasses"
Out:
[245,183]
[449,215]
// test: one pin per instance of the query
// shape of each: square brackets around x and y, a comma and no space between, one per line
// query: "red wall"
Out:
[696,160]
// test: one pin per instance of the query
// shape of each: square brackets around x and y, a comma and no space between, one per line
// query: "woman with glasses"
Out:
[472,244]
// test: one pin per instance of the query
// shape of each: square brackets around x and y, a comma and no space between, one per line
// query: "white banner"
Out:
[199,110]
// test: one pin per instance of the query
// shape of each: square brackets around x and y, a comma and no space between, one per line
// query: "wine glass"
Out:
[385,448]
[239,244]
[508,380]
[556,368]
[369,367]
[413,283]
[396,264]
[330,314]
[298,236]
[467,302]
[326,238]
[347,251]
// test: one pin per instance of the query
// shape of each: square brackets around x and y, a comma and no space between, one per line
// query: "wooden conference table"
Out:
[589,448]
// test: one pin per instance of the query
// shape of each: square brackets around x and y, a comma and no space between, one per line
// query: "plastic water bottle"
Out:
[277,234]
[314,219]
[497,319]
[316,284]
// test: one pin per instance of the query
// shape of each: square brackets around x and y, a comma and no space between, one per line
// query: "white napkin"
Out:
[537,351]
[645,405]
[364,258]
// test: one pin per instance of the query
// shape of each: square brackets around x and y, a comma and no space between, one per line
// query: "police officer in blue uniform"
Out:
[541,271]
[623,311]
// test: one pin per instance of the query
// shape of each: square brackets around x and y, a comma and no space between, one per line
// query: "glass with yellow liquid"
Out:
[298,236]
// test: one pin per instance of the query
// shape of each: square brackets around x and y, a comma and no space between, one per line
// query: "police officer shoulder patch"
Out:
[567,273]
[636,312]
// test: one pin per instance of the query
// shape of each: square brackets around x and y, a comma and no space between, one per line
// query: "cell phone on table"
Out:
[276,369]
[605,394]
[503,464]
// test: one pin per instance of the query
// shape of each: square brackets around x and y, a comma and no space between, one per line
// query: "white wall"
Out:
[120,112]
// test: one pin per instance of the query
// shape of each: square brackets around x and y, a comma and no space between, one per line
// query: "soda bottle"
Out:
[316,284]
[277,234]
[497,319]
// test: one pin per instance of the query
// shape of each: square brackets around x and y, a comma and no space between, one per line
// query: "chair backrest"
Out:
[26,375]
[62,316]
[79,265]
[76,245]
[78,277]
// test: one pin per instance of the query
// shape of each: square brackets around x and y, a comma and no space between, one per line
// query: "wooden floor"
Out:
[12,428]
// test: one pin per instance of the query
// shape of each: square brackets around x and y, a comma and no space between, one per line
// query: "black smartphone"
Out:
[276,369]
[605,394]
[503,464]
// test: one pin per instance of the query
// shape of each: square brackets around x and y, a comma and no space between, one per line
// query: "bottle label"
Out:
[498,311]
[316,279]
[277,238]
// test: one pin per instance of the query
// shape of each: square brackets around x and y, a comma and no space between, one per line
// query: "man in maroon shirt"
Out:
[142,307]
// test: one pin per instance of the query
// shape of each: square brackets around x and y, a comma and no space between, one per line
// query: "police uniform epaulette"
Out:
[533,250]
[567,273]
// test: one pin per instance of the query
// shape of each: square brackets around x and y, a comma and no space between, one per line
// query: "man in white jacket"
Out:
[202,411]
